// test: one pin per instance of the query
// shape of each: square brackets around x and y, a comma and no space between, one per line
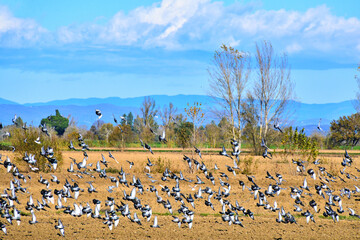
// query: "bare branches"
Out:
[271,93]
[148,111]
[196,114]
[168,114]
[273,86]
[229,75]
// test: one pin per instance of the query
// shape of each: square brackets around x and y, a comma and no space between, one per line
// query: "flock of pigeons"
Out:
[211,184]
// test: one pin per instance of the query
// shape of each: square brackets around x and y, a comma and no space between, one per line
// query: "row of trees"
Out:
[264,103]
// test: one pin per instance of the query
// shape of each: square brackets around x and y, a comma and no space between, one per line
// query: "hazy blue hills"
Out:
[82,110]
[160,100]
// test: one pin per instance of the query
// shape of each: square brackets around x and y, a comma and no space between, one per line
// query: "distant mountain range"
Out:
[83,110]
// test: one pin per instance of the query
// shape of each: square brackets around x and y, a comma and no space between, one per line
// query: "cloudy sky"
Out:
[77,49]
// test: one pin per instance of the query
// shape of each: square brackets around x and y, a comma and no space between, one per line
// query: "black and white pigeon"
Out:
[33,217]
[267,154]
[162,137]
[71,146]
[60,226]
[146,146]
[111,156]
[319,127]
[131,163]
[198,151]
[277,127]
[155,225]
[98,113]
[3,228]
[224,153]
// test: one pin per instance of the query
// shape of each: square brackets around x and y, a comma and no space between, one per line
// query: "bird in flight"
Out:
[98,113]
[319,127]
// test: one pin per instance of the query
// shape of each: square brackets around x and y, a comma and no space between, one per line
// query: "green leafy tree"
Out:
[295,142]
[58,122]
[345,130]
[130,119]
[19,122]
[183,133]
[212,132]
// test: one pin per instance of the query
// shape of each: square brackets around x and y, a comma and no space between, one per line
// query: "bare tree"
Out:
[148,111]
[271,93]
[196,114]
[229,75]
[168,115]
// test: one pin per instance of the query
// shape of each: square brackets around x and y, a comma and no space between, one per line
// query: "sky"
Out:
[52,50]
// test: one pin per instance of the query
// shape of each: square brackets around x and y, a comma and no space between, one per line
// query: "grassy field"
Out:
[207,224]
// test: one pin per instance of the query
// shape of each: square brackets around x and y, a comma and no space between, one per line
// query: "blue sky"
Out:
[77,49]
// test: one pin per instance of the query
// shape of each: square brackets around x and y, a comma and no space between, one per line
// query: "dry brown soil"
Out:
[207,223]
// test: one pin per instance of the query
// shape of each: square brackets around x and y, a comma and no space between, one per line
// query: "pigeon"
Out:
[277,127]
[14,120]
[111,156]
[267,154]
[37,140]
[319,127]
[223,153]
[155,225]
[55,179]
[60,226]
[131,163]
[98,113]
[198,151]
[71,146]
[3,228]
[162,137]
[146,146]
[33,217]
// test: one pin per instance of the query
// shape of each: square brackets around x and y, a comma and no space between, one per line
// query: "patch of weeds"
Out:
[160,165]
[112,170]
[165,214]
[249,165]
[210,214]
[333,169]
[341,217]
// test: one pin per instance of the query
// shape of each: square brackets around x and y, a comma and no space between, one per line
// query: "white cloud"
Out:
[293,48]
[17,32]
[202,24]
